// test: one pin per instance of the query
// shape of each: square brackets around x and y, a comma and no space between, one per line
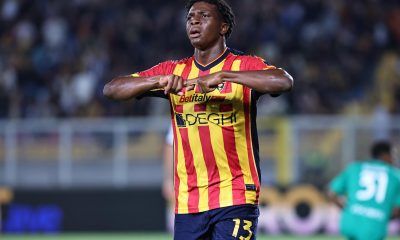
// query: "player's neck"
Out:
[204,57]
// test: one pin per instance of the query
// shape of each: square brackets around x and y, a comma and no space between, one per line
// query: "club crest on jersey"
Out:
[221,86]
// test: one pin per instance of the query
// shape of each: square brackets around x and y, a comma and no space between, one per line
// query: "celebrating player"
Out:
[213,97]
[372,192]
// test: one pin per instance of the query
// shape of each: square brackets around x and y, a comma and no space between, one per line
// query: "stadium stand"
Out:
[55,56]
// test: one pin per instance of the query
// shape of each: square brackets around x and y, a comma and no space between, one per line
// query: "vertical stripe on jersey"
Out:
[247,114]
[217,192]
[238,186]
[194,71]
[181,186]
[190,198]
[179,69]
[197,88]
[200,169]
[228,66]
[243,147]
[180,176]
[236,65]
[247,102]
[225,197]
[193,190]
[186,71]
[211,166]
[242,150]
[207,171]
[200,163]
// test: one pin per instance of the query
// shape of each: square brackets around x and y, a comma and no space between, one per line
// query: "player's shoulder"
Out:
[184,60]
[245,56]
[396,172]
[168,66]
[176,62]
[356,164]
[371,164]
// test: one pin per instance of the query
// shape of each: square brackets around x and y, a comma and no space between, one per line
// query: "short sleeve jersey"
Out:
[216,156]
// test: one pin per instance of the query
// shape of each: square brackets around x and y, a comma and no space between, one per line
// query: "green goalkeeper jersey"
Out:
[372,189]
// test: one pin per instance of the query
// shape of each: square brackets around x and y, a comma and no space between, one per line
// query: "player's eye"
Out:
[189,17]
[204,15]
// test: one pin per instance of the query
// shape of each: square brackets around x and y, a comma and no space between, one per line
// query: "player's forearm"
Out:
[126,87]
[335,199]
[168,162]
[264,81]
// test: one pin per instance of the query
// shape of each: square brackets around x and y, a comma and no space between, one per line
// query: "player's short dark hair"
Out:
[224,9]
[379,148]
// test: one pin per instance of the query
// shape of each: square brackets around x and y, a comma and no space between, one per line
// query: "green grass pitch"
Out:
[137,236]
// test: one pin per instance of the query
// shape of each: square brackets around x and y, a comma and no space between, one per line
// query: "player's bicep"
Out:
[252,63]
[255,63]
[163,68]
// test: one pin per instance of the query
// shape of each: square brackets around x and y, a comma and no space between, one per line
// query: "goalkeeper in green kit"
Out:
[371,191]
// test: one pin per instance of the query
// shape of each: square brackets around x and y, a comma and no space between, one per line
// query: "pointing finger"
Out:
[168,87]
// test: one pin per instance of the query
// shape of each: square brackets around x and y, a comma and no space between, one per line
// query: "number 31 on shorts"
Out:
[246,225]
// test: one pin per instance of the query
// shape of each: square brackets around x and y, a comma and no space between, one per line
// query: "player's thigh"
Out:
[243,228]
[191,226]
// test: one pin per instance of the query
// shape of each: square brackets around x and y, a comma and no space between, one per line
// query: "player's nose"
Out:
[194,21]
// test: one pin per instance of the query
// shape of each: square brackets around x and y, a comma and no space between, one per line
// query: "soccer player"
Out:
[372,194]
[213,97]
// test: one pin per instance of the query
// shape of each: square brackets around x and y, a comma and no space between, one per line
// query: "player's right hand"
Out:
[172,84]
[168,190]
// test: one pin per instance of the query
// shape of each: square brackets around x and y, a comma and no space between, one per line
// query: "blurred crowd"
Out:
[55,56]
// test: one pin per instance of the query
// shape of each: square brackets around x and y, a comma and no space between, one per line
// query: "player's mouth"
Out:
[194,33]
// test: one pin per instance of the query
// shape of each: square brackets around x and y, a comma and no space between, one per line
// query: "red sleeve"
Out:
[254,63]
[164,68]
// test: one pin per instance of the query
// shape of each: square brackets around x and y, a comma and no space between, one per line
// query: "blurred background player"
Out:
[213,97]
[372,194]
[168,183]
[168,180]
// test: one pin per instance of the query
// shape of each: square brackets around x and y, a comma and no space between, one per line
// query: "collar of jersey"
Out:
[213,63]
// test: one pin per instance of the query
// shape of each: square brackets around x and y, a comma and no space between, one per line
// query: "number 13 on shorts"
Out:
[242,229]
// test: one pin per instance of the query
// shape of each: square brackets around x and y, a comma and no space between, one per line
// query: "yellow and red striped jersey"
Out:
[216,162]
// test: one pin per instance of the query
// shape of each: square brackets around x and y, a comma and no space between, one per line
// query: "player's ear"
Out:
[224,28]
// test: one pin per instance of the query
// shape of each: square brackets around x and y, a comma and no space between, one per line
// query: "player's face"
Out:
[204,25]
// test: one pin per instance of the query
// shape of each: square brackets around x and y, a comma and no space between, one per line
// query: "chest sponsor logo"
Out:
[193,119]
[200,98]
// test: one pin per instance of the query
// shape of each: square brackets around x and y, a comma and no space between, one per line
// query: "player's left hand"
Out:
[206,83]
